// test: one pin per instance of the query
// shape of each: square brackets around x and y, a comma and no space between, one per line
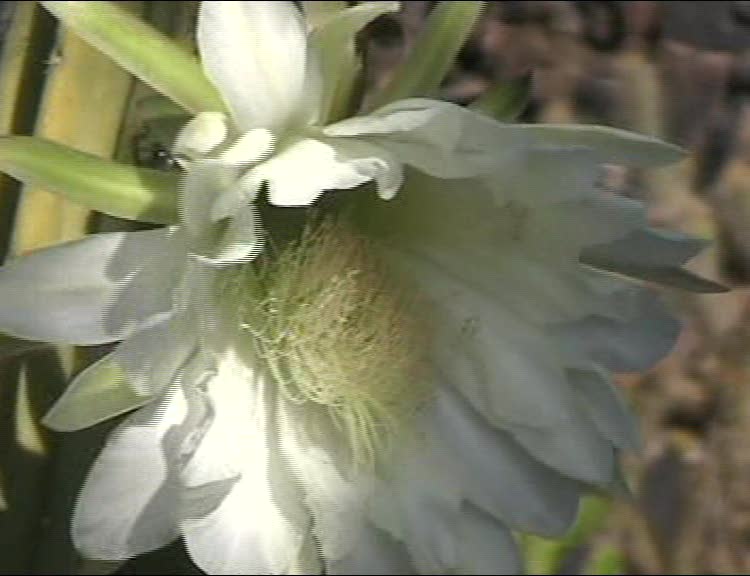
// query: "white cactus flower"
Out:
[398,387]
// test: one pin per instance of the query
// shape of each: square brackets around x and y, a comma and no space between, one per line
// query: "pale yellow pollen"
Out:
[335,329]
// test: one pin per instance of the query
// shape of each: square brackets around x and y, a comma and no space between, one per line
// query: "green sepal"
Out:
[448,27]
[506,101]
[97,394]
[141,50]
[116,189]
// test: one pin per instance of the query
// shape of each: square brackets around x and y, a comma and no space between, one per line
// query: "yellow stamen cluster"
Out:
[336,330]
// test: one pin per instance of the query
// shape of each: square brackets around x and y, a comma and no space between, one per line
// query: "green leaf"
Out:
[506,101]
[117,189]
[142,50]
[340,64]
[446,30]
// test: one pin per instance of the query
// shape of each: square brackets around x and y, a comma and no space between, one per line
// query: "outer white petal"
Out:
[653,255]
[335,495]
[507,367]
[256,54]
[375,552]
[499,476]
[91,291]
[576,448]
[419,503]
[487,546]
[605,407]
[426,135]
[130,500]
[259,526]
[627,344]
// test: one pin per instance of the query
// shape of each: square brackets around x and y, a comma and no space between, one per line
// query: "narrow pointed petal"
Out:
[116,189]
[652,255]
[130,500]
[256,54]
[142,50]
[610,145]
[91,291]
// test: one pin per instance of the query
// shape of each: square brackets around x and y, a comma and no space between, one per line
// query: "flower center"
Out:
[335,329]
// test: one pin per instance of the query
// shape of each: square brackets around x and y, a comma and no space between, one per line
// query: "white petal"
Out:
[375,553]
[652,255]
[605,407]
[622,345]
[507,367]
[487,546]
[241,240]
[425,134]
[299,174]
[202,184]
[91,291]
[255,53]
[423,501]
[610,145]
[574,447]
[130,500]
[251,147]
[201,135]
[335,496]
[499,476]
[259,526]
[548,175]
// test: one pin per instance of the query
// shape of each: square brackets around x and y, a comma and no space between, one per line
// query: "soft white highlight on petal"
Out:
[299,174]
[259,526]
[253,146]
[202,134]
[255,53]
[91,291]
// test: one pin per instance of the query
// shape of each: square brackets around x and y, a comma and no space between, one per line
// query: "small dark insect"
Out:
[150,152]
